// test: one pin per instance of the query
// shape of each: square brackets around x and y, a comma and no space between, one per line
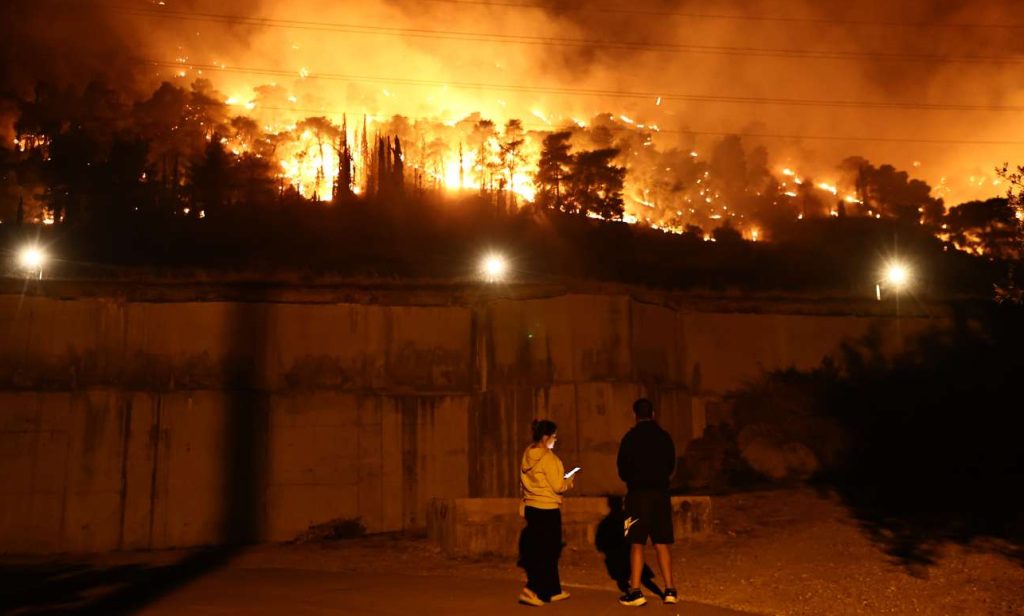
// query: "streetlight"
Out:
[895,276]
[493,267]
[31,259]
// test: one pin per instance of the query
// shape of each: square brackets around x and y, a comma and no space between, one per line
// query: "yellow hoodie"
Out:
[543,478]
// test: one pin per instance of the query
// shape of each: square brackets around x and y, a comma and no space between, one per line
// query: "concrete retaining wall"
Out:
[145,424]
[476,526]
[101,469]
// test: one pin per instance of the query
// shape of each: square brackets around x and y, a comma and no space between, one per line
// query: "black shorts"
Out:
[649,515]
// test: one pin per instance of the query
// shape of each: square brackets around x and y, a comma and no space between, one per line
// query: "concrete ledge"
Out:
[476,526]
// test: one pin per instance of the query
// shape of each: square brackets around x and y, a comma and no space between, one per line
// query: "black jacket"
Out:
[647,457]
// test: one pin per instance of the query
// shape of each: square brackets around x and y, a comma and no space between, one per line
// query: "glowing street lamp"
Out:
[493,267]
[31,259]
[897,275]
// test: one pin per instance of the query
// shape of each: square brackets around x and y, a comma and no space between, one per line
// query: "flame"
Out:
[310,165]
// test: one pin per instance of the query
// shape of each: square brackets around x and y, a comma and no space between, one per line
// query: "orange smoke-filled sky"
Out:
[927,86]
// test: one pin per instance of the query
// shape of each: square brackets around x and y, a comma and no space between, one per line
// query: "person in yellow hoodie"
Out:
[543,482]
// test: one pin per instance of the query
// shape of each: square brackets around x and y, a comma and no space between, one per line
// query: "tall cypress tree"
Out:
[388,164]
[365,159]
[398,168]
[344,163]
[382,166]
[462,170]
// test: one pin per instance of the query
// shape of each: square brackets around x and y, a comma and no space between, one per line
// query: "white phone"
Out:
[572,472]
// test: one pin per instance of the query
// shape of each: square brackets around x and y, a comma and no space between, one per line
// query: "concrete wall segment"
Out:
[119,418]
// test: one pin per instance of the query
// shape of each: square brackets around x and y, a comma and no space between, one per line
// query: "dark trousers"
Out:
[541,547]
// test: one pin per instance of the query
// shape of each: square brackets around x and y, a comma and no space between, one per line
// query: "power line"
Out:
[466,36]
[751,135]
[589,8]
[852,138]
[650,95]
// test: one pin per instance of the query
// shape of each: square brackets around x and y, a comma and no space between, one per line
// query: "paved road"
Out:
[299,592]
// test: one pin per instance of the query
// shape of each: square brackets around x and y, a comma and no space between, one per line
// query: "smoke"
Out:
[553,61]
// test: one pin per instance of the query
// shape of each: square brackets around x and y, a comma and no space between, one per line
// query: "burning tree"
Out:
[316,138]
[178,123]
[893,194]
[553,169]
[586,182]
[397,167]
[595,184]
[211,179]
[512,154]
[607,167]
[1012,292]
[486,162]
[343,183]
[984,228]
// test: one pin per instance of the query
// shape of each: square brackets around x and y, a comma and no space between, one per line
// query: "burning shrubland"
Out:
[226,114]
[193,151]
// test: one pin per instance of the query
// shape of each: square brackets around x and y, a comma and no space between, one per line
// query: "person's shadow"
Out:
[610,540]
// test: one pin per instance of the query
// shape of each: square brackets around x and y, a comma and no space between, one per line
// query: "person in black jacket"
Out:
[646,461]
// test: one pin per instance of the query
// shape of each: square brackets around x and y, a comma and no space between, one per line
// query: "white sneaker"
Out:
[633,598]
[671,596]
[562,596]
[529,597]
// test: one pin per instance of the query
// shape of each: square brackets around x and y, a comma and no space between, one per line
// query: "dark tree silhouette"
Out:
[120,179]
[984,227]
[482,141]
[729,170]
[343,183]
[727,234]
[398,168]
[177,124]
[693,232]
[596,184]
[210,179]
[387,171]
[553,169]
[69,174]
[893,194]
[512,153]
[381,169]
[366,156]
[255,181]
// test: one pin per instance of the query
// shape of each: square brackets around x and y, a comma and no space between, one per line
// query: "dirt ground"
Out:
[788,552]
